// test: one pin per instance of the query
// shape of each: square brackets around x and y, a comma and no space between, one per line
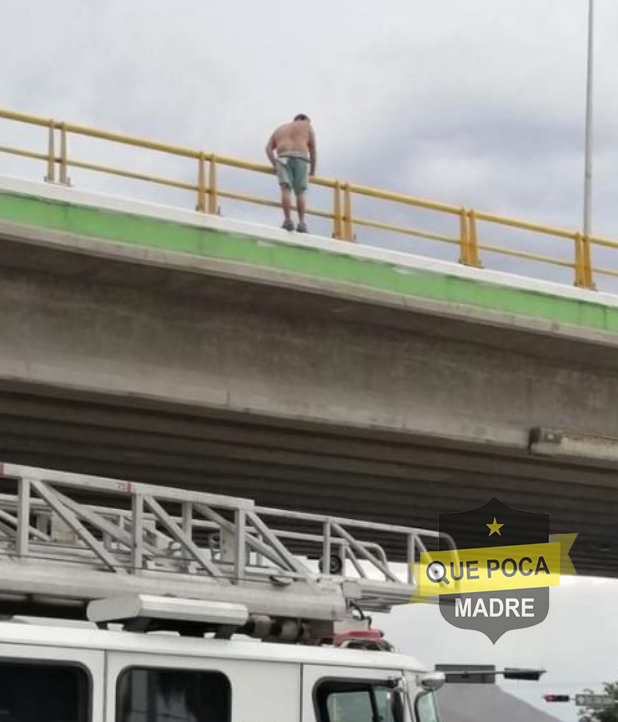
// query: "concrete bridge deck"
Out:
[170,346]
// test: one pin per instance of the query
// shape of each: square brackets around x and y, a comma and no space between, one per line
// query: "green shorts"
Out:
[293,171]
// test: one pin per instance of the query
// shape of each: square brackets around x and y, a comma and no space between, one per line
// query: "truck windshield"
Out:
[425,708]
[357,701]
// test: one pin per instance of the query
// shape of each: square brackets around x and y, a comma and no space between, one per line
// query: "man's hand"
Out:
[313,152]
[270,151]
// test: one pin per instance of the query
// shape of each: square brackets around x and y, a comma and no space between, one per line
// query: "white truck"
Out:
[182,606]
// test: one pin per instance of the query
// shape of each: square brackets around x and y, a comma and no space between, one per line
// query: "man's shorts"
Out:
[293,171]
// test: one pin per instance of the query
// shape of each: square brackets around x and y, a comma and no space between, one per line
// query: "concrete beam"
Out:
[246,356]
[302,390]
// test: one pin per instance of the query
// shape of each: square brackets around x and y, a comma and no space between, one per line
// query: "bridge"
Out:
[174,345]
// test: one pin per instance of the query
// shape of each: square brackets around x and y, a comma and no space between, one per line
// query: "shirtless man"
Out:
[292,152]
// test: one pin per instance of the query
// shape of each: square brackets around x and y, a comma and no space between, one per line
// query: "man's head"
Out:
[302,116]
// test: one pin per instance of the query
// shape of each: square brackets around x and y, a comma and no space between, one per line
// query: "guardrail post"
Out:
[64,170]
[51,154]
[587,258]
[201,184]
[348,228]
[464,235]
[213,201]
[337,219]
[583,262]
[473,241]
[469,253]
[579,261]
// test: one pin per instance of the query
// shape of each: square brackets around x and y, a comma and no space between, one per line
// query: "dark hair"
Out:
[301,116]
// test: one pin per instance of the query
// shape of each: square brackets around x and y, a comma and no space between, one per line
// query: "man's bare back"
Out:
[293,138]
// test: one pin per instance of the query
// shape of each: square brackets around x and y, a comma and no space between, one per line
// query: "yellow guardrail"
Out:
[208,194]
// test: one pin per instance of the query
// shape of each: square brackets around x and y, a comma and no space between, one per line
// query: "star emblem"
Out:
[494,527]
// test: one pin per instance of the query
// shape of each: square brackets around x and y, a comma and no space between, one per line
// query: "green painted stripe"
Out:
[155,233]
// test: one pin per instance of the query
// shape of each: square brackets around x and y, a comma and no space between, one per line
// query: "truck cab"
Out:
[53,673]
[184,606]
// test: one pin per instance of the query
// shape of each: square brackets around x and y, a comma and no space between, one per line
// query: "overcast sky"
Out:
[478,103]
[577,643]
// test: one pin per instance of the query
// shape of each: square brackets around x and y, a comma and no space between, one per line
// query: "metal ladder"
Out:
[67,539]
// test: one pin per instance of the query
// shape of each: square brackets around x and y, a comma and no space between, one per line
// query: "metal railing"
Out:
[208,194]
[54,542]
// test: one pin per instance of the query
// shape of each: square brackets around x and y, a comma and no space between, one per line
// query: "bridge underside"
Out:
[380,477]
[300,393]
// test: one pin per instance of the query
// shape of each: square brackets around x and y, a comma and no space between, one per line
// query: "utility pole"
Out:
[589,122]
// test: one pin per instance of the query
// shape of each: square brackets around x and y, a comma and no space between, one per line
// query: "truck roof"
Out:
[74,637]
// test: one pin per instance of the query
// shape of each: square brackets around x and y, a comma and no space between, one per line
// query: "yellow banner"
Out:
[526,566]
[566,542]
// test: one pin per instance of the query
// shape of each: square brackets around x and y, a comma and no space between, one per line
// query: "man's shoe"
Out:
[288,226]
[302,228]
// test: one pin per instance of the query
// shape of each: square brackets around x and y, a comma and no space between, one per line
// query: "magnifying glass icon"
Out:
[436,573]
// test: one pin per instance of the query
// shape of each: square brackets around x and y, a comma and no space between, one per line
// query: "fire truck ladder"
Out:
[68,539]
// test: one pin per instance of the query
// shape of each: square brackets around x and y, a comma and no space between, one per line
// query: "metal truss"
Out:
[67,539]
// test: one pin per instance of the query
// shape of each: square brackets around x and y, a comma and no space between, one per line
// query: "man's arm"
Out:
[313,152]
[271,146]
